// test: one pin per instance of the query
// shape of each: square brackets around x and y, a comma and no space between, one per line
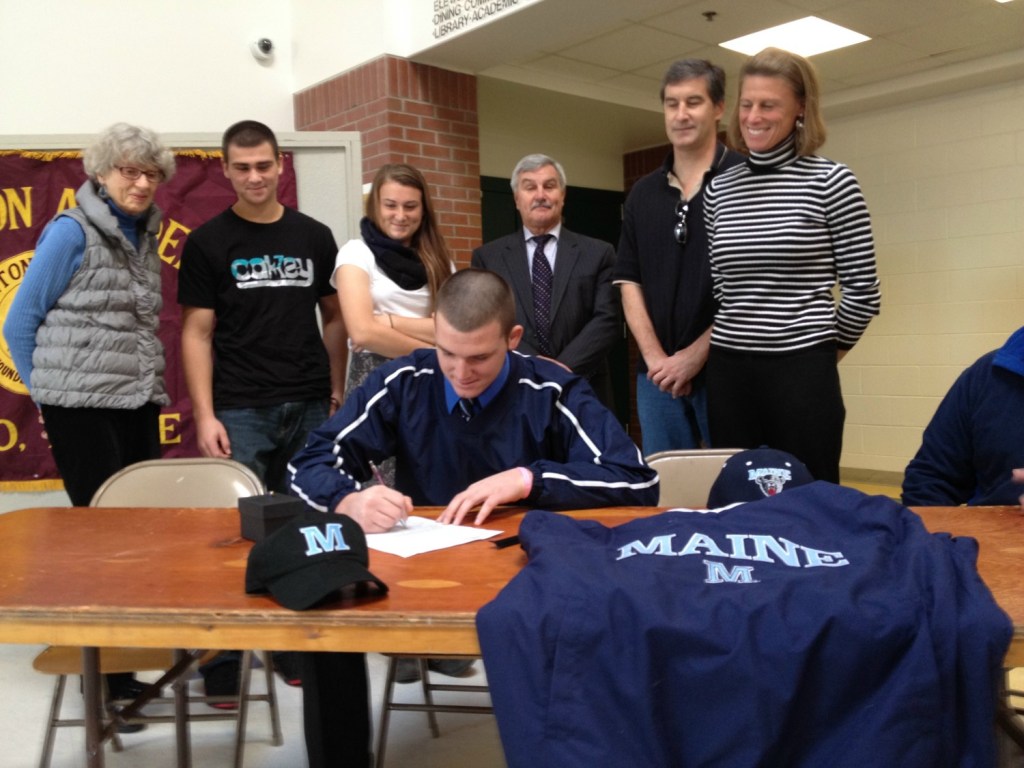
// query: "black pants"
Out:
[792,402]
[91,444]
[336,710]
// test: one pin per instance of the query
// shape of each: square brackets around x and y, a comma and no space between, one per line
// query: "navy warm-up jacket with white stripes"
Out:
[543,418]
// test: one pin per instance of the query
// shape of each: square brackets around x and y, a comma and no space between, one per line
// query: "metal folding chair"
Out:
[186,482]
[687,475]
[429,706]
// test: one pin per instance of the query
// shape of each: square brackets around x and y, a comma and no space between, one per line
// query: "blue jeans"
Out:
[265,439]
[668,423]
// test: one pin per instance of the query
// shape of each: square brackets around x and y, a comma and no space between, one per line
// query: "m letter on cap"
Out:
[331,540]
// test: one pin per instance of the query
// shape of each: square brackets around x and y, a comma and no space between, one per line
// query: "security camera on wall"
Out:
[262,49]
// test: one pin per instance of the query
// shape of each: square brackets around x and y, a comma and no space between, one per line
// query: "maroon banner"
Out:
[34,187]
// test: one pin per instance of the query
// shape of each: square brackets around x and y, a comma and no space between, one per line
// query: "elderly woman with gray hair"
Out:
[82,326]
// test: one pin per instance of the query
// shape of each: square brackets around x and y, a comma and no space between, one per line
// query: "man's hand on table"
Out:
[503,488]
[377,509]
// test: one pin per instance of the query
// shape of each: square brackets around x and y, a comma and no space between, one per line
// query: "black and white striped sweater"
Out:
[782,230]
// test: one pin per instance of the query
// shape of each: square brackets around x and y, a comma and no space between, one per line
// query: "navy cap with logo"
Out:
[309,559]
[757,474]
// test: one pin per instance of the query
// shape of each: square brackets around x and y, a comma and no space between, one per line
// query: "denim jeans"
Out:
[668,423]
[265,439]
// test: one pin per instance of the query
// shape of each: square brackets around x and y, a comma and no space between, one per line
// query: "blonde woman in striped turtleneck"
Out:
[784,229]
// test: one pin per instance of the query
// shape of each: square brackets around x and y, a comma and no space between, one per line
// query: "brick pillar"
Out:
[410,113]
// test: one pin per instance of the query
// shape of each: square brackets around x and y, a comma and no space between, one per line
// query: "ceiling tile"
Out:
[731,20]
[629,48]
[883,17]
[874,57]
[940,35]
[572,68]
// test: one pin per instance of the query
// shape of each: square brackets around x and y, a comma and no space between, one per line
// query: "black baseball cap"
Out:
[309,559]
[757,474]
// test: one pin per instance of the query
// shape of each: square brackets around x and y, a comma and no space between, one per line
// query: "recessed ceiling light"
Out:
[805,37]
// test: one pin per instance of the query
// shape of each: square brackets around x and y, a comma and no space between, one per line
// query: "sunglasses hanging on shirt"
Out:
[680,229]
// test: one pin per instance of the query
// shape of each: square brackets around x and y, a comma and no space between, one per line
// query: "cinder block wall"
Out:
[944,180]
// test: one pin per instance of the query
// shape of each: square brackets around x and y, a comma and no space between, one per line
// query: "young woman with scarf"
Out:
[387,279]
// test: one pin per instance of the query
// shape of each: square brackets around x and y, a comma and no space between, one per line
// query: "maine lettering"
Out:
[739,546]
[272,272]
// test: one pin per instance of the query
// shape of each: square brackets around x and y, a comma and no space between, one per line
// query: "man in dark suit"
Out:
[568,308]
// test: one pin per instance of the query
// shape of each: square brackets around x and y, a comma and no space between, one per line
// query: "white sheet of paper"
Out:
[425,535]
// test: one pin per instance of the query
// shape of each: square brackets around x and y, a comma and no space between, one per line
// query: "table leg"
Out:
[93,703]
[180,687]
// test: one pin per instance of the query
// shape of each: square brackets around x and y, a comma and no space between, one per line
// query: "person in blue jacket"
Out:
[971,450]
[536,434]
[473,425]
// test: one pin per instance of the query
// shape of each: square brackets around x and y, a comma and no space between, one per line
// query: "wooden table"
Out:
[174,578]
[171,578]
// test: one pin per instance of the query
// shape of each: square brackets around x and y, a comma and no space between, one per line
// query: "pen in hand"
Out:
[380,479]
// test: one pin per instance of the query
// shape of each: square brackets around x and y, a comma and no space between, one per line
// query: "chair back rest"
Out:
[186,482]
[687,475]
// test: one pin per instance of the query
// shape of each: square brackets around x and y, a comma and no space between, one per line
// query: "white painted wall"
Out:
[337,35]
[334,36]
[172,65]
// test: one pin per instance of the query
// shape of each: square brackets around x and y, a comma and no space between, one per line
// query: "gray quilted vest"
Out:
[97,347]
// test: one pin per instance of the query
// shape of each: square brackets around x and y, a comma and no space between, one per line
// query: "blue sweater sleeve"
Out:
[58,256]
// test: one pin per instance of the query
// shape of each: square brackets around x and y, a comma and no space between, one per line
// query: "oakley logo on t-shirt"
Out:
[272,272]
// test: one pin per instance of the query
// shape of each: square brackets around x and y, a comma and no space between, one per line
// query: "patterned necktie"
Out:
[466,408]
[542,279]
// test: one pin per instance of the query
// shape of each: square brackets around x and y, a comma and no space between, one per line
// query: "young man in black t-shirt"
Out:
[258,371]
